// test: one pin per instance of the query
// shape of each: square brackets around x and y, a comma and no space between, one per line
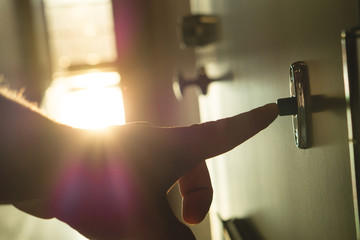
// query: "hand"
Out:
[113,185]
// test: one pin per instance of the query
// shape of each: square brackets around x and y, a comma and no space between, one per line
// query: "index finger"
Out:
[202,141]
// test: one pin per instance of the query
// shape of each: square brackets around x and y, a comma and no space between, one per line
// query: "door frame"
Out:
[350,42]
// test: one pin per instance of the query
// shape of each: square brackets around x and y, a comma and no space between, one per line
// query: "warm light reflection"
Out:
[89,101]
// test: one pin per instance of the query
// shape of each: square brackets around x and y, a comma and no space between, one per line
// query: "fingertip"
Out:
[248,124]
[271,110]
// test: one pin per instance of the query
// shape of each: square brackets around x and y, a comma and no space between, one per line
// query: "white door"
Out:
[282,191]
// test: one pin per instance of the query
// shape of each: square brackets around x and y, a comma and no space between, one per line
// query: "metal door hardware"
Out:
[297,104]
[202,80]
[199,30]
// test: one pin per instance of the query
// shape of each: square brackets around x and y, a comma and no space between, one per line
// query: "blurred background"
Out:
[93,63]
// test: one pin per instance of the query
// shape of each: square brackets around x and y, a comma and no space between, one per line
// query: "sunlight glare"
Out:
[88,101]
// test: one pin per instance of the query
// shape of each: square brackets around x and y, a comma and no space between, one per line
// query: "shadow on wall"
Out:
[241,229]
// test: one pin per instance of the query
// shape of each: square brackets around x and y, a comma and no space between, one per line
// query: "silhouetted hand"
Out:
[113,184]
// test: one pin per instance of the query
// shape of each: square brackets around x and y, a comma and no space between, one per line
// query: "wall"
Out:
[24,55]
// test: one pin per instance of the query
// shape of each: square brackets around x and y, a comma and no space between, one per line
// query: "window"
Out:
[85,90]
